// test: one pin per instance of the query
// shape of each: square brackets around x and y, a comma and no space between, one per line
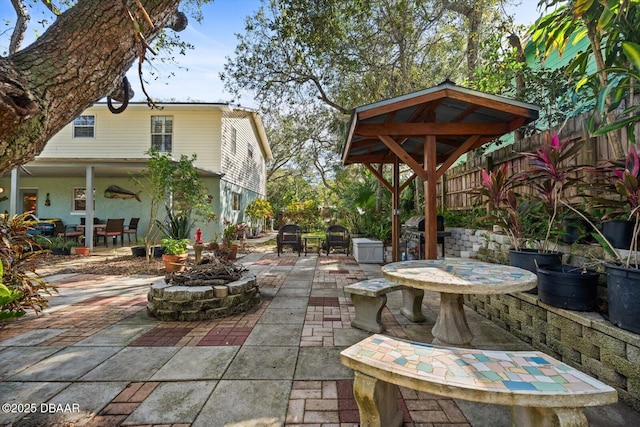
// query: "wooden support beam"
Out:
[430,199]
[456,154]
[403,156]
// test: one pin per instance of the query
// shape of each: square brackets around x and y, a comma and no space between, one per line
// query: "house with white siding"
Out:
[100,149]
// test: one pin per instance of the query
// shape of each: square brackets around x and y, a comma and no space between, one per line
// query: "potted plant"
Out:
[508,211]
[139,249]
[229,235]
[622,183]
[175,253]
[81,249]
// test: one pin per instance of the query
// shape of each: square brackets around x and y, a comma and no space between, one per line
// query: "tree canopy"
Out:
[82,57]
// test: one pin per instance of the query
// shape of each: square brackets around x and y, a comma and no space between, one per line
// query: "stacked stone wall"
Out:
[584,340]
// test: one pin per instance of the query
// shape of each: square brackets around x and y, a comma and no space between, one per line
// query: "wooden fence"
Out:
[456,186]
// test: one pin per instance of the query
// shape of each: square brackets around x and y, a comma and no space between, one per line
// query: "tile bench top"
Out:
[521,378]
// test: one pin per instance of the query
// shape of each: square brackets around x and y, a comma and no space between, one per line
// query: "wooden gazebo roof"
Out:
[428,131]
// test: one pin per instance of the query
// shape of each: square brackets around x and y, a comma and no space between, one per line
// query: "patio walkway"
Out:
[96,359]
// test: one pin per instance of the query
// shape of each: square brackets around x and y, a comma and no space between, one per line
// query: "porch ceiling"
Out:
[74,167]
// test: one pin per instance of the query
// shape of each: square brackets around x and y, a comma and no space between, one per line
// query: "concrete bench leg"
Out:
[412,304]
[548,417]
[368,312]
[377,402]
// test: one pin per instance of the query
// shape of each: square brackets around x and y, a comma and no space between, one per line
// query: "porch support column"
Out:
[88,212]
[430,199]
[395,206]
[14,193]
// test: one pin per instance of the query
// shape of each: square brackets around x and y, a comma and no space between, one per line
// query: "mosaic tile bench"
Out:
[540,390]
[369,298]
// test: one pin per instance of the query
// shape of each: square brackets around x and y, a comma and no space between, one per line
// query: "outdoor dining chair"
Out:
[113,228]
[132,228]
[61,230]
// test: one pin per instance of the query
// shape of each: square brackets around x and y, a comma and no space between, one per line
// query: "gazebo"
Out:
[428,131]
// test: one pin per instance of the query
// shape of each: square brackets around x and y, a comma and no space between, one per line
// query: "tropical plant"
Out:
[174,185]
[505,208]
[259,209]
[550,174]
[622,186]
[174,246]
[229,234]
[18,255]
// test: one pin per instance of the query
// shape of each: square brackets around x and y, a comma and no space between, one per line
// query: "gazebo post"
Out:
[395,215]
[430,199]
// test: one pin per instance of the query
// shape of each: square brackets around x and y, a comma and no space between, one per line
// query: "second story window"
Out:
[162,133]
[84,127]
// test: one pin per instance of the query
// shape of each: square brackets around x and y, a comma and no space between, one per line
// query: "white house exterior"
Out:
[100,149]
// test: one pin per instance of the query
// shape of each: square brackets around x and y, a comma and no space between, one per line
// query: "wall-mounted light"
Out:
[47,201]
[1,190]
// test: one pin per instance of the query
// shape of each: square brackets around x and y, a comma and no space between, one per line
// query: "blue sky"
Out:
[214,40]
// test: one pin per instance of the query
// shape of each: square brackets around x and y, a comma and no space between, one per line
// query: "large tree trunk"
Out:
[80,59]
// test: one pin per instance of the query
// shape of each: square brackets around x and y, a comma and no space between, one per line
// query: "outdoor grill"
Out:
[413,236]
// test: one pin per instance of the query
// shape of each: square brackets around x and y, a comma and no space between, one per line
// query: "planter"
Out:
[158,251]
[82,250]
[576,230]
[60,251]
[233,252]
[139,251]
[530,259]
[623,287]
[566,286]
[174,262]
[618,232]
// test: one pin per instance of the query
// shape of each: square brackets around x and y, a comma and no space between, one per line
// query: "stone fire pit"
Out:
[205,291]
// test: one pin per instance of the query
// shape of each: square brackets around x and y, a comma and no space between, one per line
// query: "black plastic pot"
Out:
[623,287]
[158,251]
[530,259]
[568,287]
[576,230]
[618,232]
[60,251]
[139,251]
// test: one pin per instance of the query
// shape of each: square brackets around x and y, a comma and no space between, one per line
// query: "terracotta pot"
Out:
[174,262]
[233,252]
[82,250]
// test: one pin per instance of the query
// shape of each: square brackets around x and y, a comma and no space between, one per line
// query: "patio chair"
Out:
[337,236]
[113,228]
[67,233]
[290,235]
[132,228]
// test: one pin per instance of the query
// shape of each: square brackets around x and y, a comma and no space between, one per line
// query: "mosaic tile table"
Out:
[452,278]
[538,387]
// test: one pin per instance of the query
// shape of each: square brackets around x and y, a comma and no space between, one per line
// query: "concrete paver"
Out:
[275,365]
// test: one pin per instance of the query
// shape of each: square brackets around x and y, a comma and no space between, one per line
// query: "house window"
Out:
[237,199]
[84,127]
[233,141]
[250,151]
[162,133]
[80,199]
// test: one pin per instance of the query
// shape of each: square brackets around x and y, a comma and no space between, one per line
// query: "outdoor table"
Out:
[453,278]
[315,241]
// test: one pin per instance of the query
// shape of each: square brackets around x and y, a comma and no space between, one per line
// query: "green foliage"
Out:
[18,255]
[259,209]
[174,185]
[474,218]
[306,214]
[174,246]
[229,234]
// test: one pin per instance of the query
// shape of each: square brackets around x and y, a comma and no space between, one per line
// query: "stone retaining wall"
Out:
[584,340]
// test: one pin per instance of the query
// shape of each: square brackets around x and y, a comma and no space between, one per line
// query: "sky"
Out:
[214,40]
